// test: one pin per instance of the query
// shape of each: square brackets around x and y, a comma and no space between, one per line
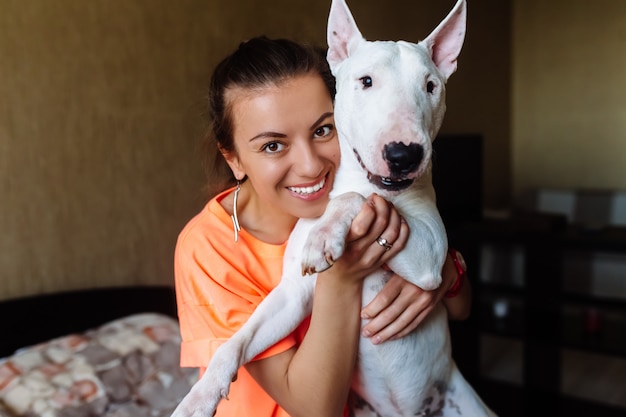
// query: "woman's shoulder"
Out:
[210,221]
[211,230]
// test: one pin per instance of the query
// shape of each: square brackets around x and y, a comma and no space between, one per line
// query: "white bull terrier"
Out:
[389,106]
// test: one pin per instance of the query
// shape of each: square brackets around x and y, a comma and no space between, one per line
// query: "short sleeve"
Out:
[219,284]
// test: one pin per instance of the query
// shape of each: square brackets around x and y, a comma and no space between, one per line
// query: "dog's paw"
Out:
[198,403]
[214,386]
[326,241]
[323,247]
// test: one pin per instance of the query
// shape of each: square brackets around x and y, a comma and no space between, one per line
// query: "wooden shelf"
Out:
[541,314]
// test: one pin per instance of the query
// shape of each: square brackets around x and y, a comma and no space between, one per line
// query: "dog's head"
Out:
[390,98]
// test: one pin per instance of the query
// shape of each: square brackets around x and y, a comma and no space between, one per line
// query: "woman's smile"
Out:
[309,191]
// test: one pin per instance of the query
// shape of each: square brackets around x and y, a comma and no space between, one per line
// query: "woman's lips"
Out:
[304,191]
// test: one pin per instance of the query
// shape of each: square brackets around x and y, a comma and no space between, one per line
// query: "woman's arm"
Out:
[401,306]
[314,378]
[460,305]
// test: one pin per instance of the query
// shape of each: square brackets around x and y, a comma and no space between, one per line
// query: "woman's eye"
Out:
[272,147]
[366,81]
[323,131]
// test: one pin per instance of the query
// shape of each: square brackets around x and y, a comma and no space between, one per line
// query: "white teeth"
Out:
[308,190]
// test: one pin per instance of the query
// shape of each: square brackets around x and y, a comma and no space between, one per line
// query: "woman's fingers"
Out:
[390,291]
[396,310]
[377,233]
[402,326]
[371,220]
[362,221]
[378,229]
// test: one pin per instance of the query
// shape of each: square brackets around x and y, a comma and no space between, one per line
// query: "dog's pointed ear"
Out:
[342,33]
[445,42]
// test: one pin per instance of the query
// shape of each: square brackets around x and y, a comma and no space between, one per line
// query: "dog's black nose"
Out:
[403,159]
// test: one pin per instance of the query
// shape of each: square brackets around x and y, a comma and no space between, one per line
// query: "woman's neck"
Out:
[261,220]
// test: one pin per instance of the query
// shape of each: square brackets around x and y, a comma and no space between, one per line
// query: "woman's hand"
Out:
[364,254]
[401,306]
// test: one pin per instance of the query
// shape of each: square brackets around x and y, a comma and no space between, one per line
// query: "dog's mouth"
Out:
[385,183]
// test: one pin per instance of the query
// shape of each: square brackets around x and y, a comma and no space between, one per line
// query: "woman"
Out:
[272,121]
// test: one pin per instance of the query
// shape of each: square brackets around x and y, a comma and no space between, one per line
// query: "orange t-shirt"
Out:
[219,283]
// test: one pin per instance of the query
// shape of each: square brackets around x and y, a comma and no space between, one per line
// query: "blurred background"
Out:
[102,115]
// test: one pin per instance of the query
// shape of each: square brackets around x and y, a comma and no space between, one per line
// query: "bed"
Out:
[110,352]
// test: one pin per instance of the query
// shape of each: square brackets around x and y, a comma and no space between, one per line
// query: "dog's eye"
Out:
[430,87]
[366,81]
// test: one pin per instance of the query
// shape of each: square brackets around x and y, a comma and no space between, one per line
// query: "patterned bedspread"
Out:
[126,368]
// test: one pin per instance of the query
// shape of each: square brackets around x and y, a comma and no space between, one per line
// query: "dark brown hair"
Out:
[256,63]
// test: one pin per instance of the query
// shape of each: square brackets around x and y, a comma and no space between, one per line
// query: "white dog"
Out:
[389,106]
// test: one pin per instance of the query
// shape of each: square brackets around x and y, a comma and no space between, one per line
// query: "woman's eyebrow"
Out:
[263,135]
[271,134]
[321,118]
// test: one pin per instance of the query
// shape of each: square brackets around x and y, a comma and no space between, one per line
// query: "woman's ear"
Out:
[234,163]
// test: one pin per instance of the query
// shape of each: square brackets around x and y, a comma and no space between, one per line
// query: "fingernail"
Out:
[377,340]
[364,315]
[366,333]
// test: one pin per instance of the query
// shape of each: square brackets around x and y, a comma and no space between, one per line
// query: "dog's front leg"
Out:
[285,307]
[327,240]
[422,259]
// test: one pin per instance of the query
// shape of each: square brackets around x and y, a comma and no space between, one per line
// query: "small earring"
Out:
[234,218]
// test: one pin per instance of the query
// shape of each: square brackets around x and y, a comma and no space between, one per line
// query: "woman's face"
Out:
[286,143]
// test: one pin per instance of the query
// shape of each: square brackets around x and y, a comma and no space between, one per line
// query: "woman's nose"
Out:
[308,161]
